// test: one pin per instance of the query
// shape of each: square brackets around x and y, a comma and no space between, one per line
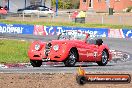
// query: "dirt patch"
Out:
[44,80]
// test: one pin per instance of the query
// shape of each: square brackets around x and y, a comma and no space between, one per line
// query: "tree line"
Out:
[66,4]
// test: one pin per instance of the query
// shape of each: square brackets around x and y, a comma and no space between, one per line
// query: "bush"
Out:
[76,5]
[66,4]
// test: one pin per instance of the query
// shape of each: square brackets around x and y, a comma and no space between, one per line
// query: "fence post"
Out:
[120,19]
[38,14]
[23,15]
[102,20]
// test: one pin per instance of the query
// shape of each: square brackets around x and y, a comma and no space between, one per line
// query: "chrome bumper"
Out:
[46,59]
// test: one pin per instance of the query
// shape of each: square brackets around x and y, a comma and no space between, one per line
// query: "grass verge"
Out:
[13,51]
[68,24]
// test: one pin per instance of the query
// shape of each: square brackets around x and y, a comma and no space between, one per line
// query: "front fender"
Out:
[32,53]
[69,47]
[62,53]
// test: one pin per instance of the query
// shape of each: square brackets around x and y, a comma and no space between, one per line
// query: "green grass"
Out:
[69,24]
[13,51]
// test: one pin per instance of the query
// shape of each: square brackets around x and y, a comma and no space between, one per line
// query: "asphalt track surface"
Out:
[124,45]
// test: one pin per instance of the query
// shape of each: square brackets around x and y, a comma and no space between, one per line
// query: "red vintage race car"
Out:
[70,47]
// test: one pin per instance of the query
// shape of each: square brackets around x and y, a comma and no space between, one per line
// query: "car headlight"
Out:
[56,47]
[37,47]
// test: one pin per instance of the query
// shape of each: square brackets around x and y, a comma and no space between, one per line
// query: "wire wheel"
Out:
[104,59]
[72,58]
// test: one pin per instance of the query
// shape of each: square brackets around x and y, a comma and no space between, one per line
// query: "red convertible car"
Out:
[70,47]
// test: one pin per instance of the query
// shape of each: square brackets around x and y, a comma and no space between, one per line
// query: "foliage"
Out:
[66,4]
[76,5]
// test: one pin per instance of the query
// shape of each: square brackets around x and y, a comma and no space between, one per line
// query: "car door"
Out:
[92,50]
[87,52]
[82,50]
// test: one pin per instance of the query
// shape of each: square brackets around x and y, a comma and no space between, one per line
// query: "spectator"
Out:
[3,11]
[74,15]
[81,14]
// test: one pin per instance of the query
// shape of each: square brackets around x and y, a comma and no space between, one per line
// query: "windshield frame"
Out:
[75,34]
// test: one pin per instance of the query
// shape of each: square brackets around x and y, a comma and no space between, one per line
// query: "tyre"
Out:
[71,59]
[81,80]
[104,59]
[36,63]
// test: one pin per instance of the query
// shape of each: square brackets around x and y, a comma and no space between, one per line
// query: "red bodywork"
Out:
[86,52]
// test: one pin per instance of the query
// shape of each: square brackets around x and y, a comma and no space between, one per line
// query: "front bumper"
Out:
[45,59]
[36,55]
[59,56]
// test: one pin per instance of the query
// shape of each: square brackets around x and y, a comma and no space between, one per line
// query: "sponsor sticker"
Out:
[83,78]
[115,33]
[94,32]
[39,30]
[16,29]
[127,33]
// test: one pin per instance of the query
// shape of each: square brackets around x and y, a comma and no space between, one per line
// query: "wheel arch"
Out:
[106,50]
[101,63]
[75,49]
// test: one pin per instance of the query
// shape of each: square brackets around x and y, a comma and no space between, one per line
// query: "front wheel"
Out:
[36,63]
[104,59]
[71,59]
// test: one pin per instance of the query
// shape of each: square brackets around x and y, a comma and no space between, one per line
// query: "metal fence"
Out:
[121,19]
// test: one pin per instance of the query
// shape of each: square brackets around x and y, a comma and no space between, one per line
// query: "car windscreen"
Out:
[32,7]
[72,36]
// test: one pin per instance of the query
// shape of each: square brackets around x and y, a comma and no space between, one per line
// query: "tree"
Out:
[66,4]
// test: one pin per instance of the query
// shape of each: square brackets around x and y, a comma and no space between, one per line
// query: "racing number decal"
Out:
[94,54]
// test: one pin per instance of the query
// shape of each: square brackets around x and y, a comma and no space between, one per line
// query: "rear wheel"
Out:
[104,59]
[71,59]
[36,63]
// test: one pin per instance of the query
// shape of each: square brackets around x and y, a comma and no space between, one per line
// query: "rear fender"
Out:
[101,48]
